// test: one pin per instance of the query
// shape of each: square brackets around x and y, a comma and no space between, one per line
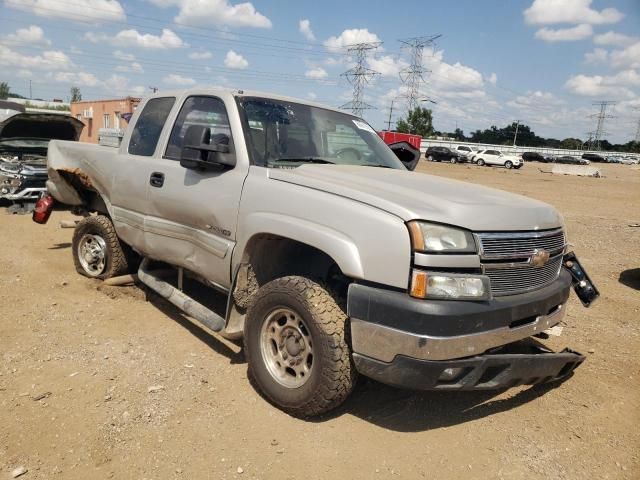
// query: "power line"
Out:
[359,76]
[412,76]
[599,132]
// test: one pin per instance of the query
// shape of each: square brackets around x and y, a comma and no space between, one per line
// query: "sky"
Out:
[542,62]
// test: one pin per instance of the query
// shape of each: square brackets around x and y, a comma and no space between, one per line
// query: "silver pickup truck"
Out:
[335,259]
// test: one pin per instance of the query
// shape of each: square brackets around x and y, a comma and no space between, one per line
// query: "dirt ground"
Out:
[97,382]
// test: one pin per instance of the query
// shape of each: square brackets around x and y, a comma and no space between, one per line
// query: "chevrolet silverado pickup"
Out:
[335,258]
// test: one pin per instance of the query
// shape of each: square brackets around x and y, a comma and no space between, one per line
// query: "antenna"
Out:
[359,76]
[413,75]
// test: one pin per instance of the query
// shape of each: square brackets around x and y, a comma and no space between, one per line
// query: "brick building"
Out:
[97,114]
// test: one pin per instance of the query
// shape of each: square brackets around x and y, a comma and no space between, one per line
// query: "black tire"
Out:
[454,160]
[117,257]
[508,165]
[332,374]
[430,158]
[480,162]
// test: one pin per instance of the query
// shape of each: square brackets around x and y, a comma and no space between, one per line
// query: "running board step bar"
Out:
[188,305]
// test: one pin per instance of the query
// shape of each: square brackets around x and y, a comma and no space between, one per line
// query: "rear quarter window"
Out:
[148,128]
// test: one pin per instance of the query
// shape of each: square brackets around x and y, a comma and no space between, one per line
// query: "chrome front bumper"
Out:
[384,343]
[25,194]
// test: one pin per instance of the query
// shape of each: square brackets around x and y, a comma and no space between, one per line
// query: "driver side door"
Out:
[192,214]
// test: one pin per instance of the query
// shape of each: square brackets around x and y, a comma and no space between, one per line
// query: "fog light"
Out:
[449,374]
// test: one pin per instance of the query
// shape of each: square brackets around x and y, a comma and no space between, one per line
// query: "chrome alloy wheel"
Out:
[286,347]
[92,251]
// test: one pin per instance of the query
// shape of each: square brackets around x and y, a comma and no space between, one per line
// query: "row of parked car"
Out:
[482,157]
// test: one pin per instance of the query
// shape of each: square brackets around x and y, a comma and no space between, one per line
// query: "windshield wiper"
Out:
[304,160]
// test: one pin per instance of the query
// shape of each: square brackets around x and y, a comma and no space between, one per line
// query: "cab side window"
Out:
[206,112]
[148,128]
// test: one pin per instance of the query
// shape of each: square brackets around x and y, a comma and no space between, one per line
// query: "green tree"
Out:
[418,122]
[76,96]
[4,90]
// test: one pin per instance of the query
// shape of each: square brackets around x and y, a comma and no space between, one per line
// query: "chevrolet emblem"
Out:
[539,258]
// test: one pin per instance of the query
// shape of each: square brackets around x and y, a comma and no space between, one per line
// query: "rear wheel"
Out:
[480,162]
[508,165]
[296,349]
[97,251]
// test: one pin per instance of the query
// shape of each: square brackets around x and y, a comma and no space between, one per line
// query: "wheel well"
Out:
[267,257]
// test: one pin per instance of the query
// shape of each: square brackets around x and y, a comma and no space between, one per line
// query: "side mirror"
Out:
[407,154]
[203,151]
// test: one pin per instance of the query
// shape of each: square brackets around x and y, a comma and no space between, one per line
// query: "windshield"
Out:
[286,134]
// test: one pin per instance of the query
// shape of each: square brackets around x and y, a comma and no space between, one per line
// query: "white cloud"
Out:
[200,55]
[80,79]
[23,73]
[536,99]
[119,85]
[87,10]
[132,38]
[350,37]
[216,12]
[305,29]
[546,12]
[125,57]
[448,77]
[598,55]
[627,58]
[31,35]
[47,60]
[235,60]
[579,32]
[134,67]
[312,95]
[613,38]
[615,86]
[175,79]
[387,65]
[492,79]
[317,73]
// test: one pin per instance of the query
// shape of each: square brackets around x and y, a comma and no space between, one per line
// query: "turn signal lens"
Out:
[418,284]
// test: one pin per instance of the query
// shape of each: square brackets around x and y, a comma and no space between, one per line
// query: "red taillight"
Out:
[43,209]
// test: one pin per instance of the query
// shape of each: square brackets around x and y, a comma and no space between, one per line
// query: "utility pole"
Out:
[390,113]
[599,133]
[413,75]
[30,92]
[359,76]
[153,89]
[637,139]
[515,136]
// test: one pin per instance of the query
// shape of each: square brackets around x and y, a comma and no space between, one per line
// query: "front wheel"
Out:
[454,160]
[480,162]
[97,251]
[430,158]
[296,348]
[508,165]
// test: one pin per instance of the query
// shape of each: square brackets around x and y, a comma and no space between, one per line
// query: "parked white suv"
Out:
[496,157]
[465,150]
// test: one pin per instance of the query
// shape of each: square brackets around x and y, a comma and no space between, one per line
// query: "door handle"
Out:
[156,179]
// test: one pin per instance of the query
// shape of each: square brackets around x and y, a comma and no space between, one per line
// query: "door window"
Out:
[208,112]
[148,128]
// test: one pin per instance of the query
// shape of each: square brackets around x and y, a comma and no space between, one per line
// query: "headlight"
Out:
[432,238]
[449,286]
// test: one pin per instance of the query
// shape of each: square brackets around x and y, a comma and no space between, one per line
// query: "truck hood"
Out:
[31,132]
[412,196]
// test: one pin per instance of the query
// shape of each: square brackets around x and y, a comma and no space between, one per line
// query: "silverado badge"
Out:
[539,258]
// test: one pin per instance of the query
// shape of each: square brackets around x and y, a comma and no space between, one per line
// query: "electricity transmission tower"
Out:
[413,75]
[359,76]
[599,133]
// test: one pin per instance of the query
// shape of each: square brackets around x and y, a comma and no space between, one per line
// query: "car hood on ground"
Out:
[411,196]
[32,131]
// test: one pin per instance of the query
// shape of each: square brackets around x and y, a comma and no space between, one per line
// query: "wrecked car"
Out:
[24,139]
[333,257]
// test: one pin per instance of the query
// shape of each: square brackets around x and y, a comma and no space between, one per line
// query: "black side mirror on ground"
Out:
[203,151]
[407,153]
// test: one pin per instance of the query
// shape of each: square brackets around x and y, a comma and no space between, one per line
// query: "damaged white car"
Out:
[24,140]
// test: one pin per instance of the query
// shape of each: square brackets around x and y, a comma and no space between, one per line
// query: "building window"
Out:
[106,120]
[116,118]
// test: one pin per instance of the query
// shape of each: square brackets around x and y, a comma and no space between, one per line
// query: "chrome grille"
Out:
[520,279]
[520,244]
[505,259]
